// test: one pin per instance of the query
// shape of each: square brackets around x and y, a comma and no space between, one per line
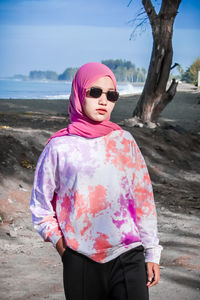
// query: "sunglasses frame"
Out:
[114,93]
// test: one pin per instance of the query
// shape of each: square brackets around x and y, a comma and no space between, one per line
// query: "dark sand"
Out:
[30,268]
[183,110]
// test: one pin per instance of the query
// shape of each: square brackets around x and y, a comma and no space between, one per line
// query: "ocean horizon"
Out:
[51,90]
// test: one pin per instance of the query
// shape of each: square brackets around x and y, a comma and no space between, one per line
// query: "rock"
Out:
[150,125]
[157,147]
[22,188]
[161,267]
[12,233]
[133,122]
[10,200]
[162,180]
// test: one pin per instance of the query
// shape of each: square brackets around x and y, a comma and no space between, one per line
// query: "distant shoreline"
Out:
[52,90]
[182,87]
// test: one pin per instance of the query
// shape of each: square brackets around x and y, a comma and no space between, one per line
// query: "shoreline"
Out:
[182,87]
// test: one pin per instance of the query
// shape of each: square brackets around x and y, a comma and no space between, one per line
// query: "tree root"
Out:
[137,122]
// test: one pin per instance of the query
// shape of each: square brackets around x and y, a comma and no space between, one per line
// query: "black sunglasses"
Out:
[96,92]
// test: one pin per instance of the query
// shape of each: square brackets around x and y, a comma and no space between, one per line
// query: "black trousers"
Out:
[123,278]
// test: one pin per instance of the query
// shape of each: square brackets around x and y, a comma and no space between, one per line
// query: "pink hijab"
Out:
[80,124]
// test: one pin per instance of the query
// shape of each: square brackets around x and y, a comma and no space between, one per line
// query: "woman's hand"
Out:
[61,246]
[153,271]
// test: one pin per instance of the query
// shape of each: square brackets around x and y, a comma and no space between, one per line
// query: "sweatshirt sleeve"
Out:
[46,183]
[145,208]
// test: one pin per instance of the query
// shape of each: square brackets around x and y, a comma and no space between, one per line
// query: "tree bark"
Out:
[155,97]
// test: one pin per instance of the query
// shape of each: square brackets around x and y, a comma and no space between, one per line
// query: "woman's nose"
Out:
[103,99]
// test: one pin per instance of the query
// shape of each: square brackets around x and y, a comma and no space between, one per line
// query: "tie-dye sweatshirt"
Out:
[97,194]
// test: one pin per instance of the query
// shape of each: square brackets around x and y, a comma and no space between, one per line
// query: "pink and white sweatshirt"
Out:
[97,194]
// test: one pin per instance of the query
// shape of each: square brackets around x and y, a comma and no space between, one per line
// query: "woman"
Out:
[92,198]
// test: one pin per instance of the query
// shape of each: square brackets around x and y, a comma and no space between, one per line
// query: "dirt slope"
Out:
[31,269]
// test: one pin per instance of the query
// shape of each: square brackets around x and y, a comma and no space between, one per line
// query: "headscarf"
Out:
[81,125]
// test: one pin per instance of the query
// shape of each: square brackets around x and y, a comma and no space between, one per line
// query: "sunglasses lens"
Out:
[95,92]
[112,96]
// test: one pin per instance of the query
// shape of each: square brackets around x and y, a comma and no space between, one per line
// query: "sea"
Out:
[51,90]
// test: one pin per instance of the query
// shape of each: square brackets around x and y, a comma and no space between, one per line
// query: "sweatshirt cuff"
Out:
[153,254]
[54,237]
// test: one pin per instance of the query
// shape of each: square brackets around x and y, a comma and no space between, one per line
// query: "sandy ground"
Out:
[30,268]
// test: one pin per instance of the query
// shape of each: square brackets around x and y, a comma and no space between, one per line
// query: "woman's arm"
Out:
[146,216]
[145,208]
[46,182]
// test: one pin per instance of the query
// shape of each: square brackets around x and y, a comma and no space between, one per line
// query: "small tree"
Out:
[188,76]
[191,74]
[155,96]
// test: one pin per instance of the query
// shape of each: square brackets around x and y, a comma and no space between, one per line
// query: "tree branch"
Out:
[164,101]
[169,8]
[174,66]
[172,89]
[140,25]
[129,3]
[149,10]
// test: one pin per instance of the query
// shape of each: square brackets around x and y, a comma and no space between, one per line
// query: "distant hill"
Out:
[123,70]
[68,74]
[42,75]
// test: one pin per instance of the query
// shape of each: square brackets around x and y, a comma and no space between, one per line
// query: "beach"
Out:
[30,268]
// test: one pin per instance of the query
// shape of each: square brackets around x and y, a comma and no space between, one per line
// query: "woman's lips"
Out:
[102,111]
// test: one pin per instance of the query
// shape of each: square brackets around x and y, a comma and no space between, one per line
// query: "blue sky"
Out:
[56,34]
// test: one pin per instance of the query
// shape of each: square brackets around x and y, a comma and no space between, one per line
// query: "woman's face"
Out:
[99,109]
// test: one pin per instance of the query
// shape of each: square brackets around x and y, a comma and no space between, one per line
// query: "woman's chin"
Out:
[99,117]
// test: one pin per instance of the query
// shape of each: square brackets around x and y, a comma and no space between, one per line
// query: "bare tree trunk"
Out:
[155,97]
